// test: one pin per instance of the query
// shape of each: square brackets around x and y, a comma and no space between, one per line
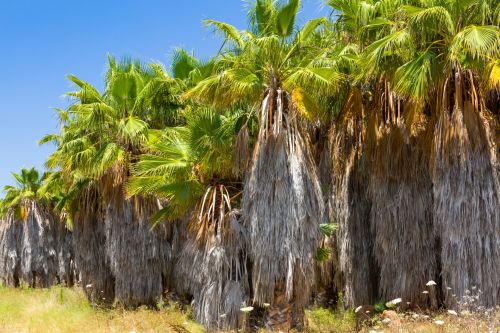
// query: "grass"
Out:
[321,320]
[450,324]
[67,310]
[61,310]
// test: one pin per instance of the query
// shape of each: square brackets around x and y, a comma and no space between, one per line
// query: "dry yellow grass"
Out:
[63,310]
[439,322]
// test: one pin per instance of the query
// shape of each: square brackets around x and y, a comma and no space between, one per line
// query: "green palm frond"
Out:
[285,18]
[436,18]
[227,31]
[107,156]
[309,28]
[87,93]
[376,53]
[477,41]
[133,130]
[415,78]
[262,14]
[325,80]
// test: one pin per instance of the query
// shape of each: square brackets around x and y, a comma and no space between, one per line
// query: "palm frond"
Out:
[481,42]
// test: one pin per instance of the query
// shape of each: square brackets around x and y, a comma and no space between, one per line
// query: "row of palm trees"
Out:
[353,154]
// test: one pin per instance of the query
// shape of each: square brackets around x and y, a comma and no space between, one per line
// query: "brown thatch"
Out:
[38,251]
[66,270]
[467,202]
[90,250]
[187,261]
[39,264]
[282,207]
[211,265]
[10,251]
[349,206]
[401,215]
[138,254]
[224,275]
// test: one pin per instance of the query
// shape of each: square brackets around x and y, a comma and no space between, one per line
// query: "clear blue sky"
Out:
[44,40]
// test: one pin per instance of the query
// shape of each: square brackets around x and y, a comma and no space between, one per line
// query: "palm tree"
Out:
[376,128]
[274,68]
[416,60]
[34,248]
[102,136]
[189,168]
[446,71]
[82,203]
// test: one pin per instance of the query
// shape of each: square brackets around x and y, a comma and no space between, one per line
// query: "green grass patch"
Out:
[322,320]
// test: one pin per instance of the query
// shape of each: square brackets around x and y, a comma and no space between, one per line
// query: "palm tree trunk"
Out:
[401,216]
[279,315]
[65,255]
[39,248]
[138,254]
[224,277]
[10,242]
[349,205]
[282,206]
[466,204]
[91,262]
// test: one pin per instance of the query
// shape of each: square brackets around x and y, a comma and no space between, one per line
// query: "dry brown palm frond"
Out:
[10,250]
[66,270]
[215,252]
[39,266]
[225,279]
[215,273]
[89,238]
[241,152]
[37,250]
[209,218]
[466,199]
[282,206]
[139,255]
[348,204]
[401,216]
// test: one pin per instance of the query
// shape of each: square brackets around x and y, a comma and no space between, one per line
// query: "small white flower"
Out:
[453,313]
[396,301]
[439,322]
[431,283]
[247,309]
[425,292]
[357,309]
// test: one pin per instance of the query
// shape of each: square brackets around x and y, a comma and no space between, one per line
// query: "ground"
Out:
[61,310]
